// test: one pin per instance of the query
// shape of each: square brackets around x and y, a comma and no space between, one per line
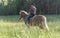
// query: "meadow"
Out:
[11,28]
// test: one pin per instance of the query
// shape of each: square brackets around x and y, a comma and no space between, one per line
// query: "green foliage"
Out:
[10,28]
[9,7]
[12,7]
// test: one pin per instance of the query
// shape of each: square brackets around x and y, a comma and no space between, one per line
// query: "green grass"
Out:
[10,28]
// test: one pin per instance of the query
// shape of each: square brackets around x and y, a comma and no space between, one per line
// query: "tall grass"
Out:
[10,28]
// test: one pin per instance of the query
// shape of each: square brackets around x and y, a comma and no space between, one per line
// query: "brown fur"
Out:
[39,20]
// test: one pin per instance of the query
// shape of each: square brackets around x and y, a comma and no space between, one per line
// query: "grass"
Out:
[10,28]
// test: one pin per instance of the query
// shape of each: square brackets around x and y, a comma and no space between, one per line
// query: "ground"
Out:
[11,28]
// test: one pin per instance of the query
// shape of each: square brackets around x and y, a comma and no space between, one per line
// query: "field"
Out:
[11,28]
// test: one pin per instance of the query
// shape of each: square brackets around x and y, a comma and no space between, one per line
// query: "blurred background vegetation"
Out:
[12,7]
